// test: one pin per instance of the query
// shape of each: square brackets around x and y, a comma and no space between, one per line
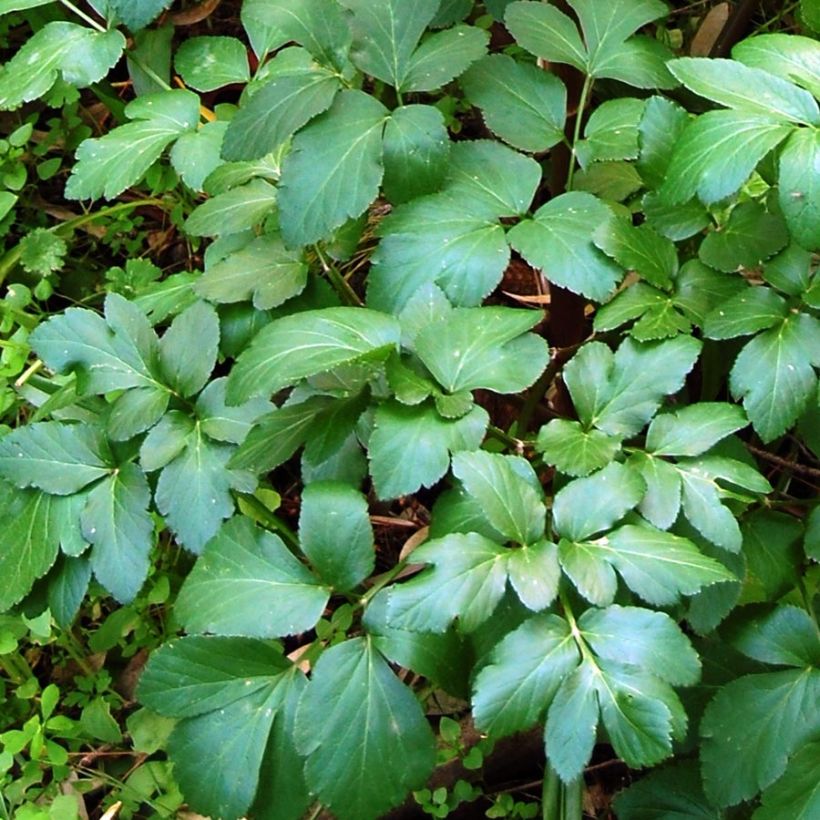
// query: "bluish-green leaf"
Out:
[187,350]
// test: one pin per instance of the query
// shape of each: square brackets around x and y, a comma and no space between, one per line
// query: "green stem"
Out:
[561,801]
[505,438]
[340,284]
[137,60]
[382,581]
[72,646]
[576,134]
[83,16]
[272,520]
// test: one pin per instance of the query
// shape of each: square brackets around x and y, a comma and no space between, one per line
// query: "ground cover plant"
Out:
[386,380]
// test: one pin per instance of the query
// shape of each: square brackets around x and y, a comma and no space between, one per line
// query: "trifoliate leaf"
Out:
[573,450]
[375,721]
[248,583]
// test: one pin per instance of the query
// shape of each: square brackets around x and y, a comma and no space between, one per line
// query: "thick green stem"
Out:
[340,284]
[559,800]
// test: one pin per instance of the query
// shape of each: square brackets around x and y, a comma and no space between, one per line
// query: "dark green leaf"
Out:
[67,587]
[661,125]
[752,309]
[799,171]
[797,793]
[785,636]
[772,549]
[443,56]
[611,132]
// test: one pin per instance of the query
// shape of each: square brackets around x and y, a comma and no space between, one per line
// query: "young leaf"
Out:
[746,89]
[558,240]
[522,104]
[53,456]
[466,582]
[187,350]
[694,429]
[247,583]
[308,343]
[575,451]
[108,165]
[334,169]
[485,347]
[116,521]
[513,691]
[589,505]
[373,721]
[799,164]
[335,534]
[410,446]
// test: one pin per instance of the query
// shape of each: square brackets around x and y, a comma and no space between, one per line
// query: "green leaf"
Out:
[611,132]
[108,165]
[512,692]
[693,430]
[233,211]
[247,583]
[750,236]
[675,222]
[609,181]
[263,271]
[786,636]
[485,347]
[116,522]
[797,793]
[750,310]
[509,502]
[619,393]
[8,6]
[193,491]
[140,14]
[335,534]
[334,169]
[790,270]
[227,423]
[640,61]
[777,712]
[78,54]
[67,587]
[443,56]
[700,288]
[558,240]
[195,155]
[188,349]
[799,171]
[737,86]
[166,440]
[208,63]
[416,148]
[534,573]
[522,104]
[278,109]
[467,581]
[589,505]
[573,450]
[31,542]
[774,377]
[789,56]
[53,456]
[308,343]
[42,251]
[717,153]
[771,544]
[410,446]
[370,721]
[647,640]
[546,32]
[639,249]
[661,125]
[661,504]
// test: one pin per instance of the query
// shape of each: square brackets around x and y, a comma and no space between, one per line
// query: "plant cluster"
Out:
[230,449]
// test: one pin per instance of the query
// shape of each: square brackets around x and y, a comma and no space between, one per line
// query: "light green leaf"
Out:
[546,32]
[509,502]
[797,793]
[618,393]
[233,211]
[522,104]
[693,430]
[373,721]
[188,349]
[77,53]
[278,109]
[777,712]
[116,521]
[558,240]
[247,583]
[737,86]
[534,573]
[789,56]
[717,153]
[227,423]
[443,56]
[334,169]
[575,451]
[207,63]
[513,691]
[611,132]
[137,15]
[774,377]
[650,641]
[750,310]
[639,249]
[31,541]
[308,343]
[485,347]
[108,165]
[467,581]
[786,636]
[335,533]
[410,446]
[263,271]
[416,148]
[53,456]
[798,187]
[196,154]
[592,504]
